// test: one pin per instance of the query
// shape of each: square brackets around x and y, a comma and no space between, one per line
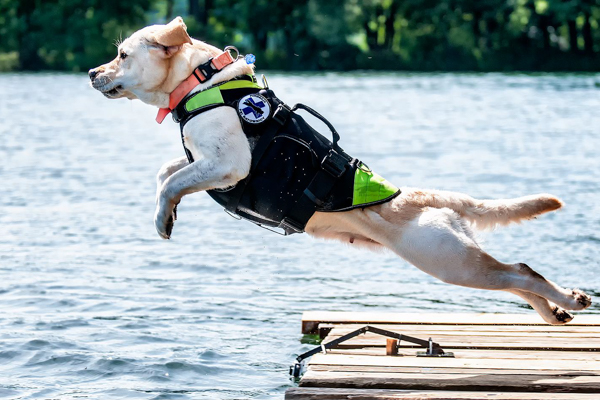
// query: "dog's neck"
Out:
[193,56]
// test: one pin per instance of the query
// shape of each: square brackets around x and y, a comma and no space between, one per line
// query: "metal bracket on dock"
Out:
[432,353]
[433,348]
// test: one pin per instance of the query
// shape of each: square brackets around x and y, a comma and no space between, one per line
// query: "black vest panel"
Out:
[290,163]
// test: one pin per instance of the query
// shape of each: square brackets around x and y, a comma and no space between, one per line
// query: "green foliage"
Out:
[67,35]
[479,35]
[9,61]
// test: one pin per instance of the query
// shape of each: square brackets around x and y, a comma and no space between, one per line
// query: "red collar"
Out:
[201,74]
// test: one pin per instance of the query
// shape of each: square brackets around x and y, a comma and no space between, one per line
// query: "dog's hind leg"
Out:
[438,242]
[526,279]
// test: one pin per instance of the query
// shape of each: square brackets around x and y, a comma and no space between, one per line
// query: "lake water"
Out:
[94,305]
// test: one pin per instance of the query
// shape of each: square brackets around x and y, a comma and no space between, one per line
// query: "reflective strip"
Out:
[239,84]
[213,95]
[370,187]
[204,98]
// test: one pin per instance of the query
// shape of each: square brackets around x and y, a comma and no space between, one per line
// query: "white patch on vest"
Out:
[254,108]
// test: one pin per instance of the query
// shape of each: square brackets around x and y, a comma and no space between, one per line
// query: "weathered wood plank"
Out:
[449,342]
[311,319]
[477,327]
[448,371]
[479,330]
[485,354]
[434,362]
[306,393]
[483,335]
[474,381]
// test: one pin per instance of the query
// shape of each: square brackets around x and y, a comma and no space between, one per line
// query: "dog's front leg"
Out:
[204,174]
[222,158]
[200,175]
[168,169]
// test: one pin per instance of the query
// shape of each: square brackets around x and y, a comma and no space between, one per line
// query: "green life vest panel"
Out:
[370,187]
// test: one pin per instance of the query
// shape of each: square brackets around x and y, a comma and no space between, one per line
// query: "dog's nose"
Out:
[92,73]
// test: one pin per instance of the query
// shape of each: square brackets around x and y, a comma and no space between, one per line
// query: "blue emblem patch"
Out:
[254,108]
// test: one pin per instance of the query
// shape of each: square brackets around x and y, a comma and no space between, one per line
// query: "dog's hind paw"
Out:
[562,316]
[582,298]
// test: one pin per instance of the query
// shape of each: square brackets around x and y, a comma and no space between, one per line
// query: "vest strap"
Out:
[211,97]
[333,166]
[278,120]
[201,74]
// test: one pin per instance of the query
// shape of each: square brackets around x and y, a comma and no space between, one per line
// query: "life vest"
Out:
[295,170]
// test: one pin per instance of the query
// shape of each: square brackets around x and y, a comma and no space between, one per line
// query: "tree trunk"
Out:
[261,39]
[28,51]
[544,25]
[587,34]
[169,12]
[482,37]
[476,26]
[194,10]
[389,25]
[208,5]
[371,36]
[572,36]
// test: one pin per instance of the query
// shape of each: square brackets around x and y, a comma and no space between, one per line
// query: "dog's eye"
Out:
[123,55]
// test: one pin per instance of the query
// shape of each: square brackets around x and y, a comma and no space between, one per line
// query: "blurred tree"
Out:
[312,35]
[71,35]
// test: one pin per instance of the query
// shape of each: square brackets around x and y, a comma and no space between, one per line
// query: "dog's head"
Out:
[151,63]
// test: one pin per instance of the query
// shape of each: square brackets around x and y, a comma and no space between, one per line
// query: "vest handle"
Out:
[336,136]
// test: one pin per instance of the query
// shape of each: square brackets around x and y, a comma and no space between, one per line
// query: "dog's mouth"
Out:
[114,92]
[107,87]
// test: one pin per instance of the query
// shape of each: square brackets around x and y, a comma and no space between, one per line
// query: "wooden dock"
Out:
[496,356]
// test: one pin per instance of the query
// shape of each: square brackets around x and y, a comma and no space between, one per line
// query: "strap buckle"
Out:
[335,164]
[207,70]
[282,113]
[290,226]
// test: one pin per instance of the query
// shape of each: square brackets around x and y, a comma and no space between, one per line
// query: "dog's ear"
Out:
[170,38]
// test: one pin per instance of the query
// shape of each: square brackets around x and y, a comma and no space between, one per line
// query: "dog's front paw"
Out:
[164,218]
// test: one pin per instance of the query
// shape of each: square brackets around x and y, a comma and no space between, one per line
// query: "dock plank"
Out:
[452,340]
[460,343]
[455,381]
[307,393]
[433,362]
[485,354]
[449,370]
[312,319]
[482,330]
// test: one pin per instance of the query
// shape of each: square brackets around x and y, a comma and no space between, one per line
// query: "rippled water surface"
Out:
[94,305]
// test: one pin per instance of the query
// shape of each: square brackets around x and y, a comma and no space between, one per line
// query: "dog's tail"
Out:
[486,214]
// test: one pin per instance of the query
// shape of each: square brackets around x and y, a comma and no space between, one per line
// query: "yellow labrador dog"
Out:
[430,229]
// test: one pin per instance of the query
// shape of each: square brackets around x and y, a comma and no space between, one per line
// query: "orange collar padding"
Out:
[201,74]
